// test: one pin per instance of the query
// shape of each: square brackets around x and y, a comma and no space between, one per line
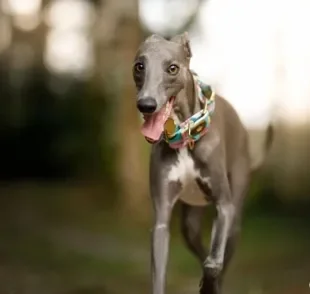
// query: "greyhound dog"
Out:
[200,155]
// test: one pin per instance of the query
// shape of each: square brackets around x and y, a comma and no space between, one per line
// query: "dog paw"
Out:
[208,285]
[212,268]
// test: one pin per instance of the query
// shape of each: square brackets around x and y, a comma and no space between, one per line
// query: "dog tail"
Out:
[267,145]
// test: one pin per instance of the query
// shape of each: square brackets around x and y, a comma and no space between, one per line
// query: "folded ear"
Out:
[153,38]
[183,40]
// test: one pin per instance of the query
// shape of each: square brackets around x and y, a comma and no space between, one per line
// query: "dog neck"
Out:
[186,103]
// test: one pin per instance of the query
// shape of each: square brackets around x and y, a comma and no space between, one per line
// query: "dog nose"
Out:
[147,105]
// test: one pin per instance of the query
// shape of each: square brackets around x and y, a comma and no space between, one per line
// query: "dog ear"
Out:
[183,40]
[154,38]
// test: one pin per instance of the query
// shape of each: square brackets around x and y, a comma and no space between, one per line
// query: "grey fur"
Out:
[227,164]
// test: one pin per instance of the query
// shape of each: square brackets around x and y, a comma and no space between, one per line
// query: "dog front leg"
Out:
[221,227]
[220,232]
[163,201]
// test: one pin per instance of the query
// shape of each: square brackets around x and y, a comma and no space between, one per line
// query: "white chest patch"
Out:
[184,171]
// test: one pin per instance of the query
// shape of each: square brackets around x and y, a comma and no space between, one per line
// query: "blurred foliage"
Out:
[60,136]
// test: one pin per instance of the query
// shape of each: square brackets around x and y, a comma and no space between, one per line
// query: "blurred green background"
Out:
[75,213]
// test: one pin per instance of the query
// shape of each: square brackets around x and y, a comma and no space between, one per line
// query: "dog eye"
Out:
[139,67]
[173,69]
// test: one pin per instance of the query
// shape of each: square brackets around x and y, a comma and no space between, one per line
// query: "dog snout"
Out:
[147,105]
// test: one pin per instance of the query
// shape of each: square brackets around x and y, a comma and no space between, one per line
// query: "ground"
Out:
[42,251]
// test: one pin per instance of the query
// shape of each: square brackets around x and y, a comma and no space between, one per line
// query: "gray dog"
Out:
[200,155]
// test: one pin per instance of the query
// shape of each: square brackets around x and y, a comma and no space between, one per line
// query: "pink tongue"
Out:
[154,124]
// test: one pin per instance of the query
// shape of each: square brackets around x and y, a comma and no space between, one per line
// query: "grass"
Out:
[90,251]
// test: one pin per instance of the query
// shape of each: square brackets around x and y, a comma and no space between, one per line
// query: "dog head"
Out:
[160,70]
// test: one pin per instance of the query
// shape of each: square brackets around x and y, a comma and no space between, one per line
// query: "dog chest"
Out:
[184,171]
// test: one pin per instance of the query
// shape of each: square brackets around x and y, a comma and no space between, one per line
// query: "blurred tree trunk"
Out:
[118,34]
[24,53]
[133,169]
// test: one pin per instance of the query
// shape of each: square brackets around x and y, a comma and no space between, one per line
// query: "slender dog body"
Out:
[216,169]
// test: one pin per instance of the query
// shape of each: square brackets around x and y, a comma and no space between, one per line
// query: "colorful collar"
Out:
[191,130]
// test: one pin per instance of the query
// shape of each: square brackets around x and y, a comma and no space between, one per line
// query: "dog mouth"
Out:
[153,125]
